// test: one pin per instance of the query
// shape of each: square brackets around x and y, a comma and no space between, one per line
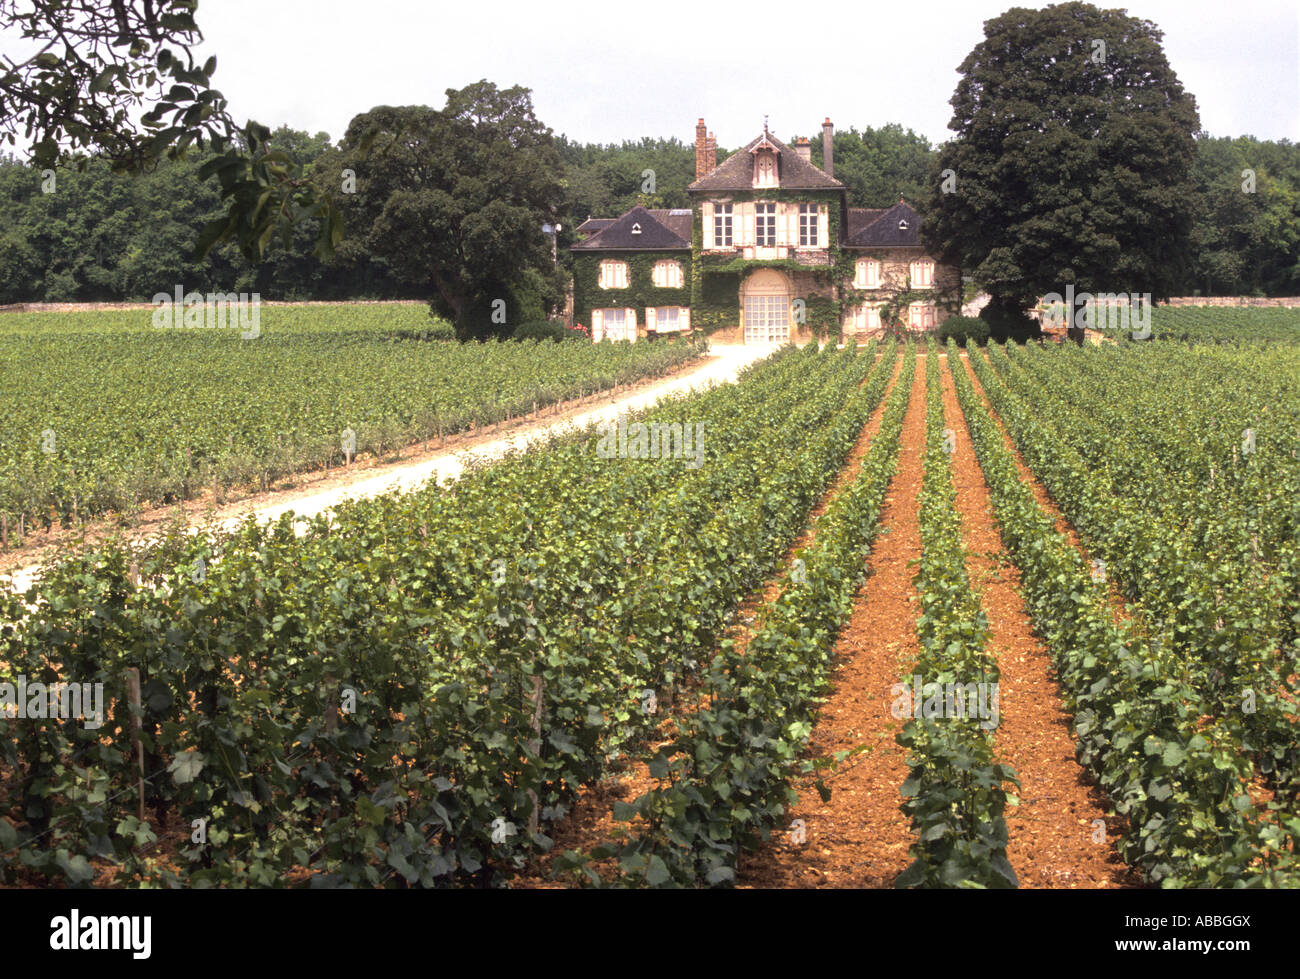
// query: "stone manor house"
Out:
[768,252]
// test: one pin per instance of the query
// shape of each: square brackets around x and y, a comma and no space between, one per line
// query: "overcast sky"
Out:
[613,70]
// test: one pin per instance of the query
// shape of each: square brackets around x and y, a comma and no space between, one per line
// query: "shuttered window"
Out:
[667,275]
[613,275]
[765,224]
[867,274]
[808,222]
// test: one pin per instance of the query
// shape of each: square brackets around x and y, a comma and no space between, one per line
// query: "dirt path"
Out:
[1062,525]
[1056,836]
[327,490]
[591,821]
[860,838]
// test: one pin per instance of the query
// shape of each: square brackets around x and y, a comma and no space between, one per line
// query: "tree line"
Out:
[95,235]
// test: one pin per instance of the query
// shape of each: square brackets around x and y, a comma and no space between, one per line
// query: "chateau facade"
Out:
[768,252]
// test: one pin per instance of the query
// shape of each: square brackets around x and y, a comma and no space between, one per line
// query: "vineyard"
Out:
[105,412]
[579,667]
[1230,325]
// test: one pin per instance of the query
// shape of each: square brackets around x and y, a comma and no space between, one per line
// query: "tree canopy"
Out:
[1072,161]
[455,199]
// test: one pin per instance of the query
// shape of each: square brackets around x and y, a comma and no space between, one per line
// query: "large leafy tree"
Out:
[454,200]
[1072,159]
[1247,217]
[879,165]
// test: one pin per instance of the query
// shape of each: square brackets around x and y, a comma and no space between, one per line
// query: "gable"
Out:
[869,228]
[793,172]
[641,230]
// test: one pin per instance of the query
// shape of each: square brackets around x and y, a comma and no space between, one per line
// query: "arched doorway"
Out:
[765,307]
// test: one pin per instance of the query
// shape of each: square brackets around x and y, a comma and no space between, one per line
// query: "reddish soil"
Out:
[591,822]
[1055,837]
[1258,789]
[1063,526]
[860,837]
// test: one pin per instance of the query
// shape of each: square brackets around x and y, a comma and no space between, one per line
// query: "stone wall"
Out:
[1287,301]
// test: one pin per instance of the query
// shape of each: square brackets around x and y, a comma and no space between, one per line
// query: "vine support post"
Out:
[137,746]
[539,687]
[332,723]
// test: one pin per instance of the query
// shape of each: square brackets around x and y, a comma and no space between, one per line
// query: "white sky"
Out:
[609,70]
[613,70]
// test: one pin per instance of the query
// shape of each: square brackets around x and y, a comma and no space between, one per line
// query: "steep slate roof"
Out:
[656,235]
[859,218]
[678,220]
[883,230]
[592,225]
[737,171]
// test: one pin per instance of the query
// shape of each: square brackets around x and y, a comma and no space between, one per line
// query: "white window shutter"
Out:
[684,317]
[823,227]
[651,319]
[748,210]
[597,324]
[706,222]
[631,323]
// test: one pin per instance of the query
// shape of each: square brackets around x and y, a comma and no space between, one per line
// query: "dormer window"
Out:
[636,229]
[902,224]
[765,171]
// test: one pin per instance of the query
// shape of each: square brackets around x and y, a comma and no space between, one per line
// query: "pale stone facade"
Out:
[761,256]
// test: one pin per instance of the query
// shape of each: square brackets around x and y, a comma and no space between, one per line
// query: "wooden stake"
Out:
[133,696]
[332,723]
[538,687]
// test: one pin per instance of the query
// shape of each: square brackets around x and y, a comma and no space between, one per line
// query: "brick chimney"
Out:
[701,149]
[711,155]
[803,148]
[828,147]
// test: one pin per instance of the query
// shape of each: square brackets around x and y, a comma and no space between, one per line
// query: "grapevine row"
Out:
[724,781]
[955,790]
[404,692]
[1175,772]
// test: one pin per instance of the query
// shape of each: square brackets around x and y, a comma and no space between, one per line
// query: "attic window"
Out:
[636,229]
[902,224]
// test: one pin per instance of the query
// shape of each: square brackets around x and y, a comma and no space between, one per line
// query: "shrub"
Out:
[963,329]
[1007,320]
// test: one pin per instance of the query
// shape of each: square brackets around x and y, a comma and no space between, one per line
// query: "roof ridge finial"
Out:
[764,123]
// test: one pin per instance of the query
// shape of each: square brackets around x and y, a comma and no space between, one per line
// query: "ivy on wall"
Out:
[715,279]
[712,282]
[641,291]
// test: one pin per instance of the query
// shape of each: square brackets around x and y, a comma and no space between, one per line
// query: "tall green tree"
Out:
[879,165]
[1072,159]
[1246,231]
[454,200]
